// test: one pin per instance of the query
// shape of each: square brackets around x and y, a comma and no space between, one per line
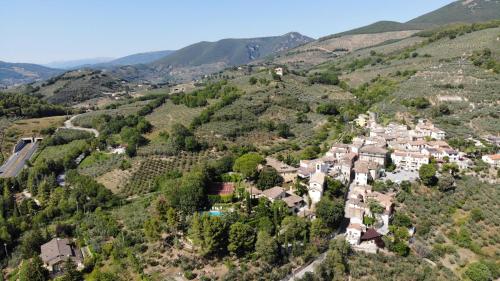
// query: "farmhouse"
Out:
[493,160]
[355,210]
[253,191]
[338,150]
[57,251]
[362,120]
[353,233]
[279,71]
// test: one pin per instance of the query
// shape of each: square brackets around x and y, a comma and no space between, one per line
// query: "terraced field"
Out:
[85,119]
[143,177]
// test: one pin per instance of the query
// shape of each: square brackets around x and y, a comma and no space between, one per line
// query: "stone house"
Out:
[408,160]
[287,172]
[373,153]
[353,233]
[365,172]
[294,202]
[274,193]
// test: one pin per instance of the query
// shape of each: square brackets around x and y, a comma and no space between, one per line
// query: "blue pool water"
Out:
[215,213]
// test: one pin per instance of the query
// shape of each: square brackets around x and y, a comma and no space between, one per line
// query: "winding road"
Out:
[69,125]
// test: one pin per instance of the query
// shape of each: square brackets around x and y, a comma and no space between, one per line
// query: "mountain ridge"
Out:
[233,51]
[462,11]
[21,73]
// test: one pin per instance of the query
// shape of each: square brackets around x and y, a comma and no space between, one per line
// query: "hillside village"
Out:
[358,165]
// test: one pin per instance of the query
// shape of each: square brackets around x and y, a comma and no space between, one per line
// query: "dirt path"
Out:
[69,125]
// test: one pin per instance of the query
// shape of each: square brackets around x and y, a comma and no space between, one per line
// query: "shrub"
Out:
[268,177]
[477,271]
[327,109]
[427,174]
[327,77]
[419,103]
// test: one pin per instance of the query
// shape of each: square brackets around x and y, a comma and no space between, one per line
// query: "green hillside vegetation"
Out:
[28,106]
[461,230]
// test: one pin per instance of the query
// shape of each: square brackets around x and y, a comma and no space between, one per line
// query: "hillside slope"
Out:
[74,86]
[232,51]
[20,73]
[463,11]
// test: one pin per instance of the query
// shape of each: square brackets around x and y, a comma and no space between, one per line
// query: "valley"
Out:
[371,154]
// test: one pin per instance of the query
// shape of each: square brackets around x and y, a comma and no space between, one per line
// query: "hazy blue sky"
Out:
[42,31]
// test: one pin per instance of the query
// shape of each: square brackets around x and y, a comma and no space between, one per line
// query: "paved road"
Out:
[309,268]
[69,125]
[13,166]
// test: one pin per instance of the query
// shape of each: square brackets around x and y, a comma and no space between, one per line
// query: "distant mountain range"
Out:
[72,64]
[207,57]
[12,74]
[203,58]
[139,58]
[463,11]
[21,73]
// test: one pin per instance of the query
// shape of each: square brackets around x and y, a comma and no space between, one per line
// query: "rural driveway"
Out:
[68,124]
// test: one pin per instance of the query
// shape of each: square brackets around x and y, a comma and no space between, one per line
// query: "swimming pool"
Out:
[215,213]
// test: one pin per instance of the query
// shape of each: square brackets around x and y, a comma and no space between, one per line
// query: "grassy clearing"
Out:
[168,114]
[59,152]
[99,163]
[115,179]
[86,119]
